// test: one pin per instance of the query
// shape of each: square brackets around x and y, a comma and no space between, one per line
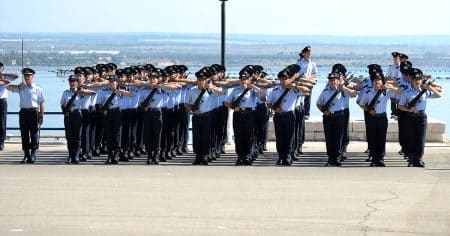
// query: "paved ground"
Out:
[50,198]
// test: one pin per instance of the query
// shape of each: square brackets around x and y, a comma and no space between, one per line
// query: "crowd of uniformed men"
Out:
[145,111]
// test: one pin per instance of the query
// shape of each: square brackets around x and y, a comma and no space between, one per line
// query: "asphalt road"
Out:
[51,198]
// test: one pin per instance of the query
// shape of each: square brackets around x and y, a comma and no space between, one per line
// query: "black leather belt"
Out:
[114,110]
[417,113]
[154,109]
[28,109]
[378,115]
[201,114]
[283,113]
[336,113]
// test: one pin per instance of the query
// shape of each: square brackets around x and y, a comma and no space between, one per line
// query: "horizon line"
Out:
[238,34]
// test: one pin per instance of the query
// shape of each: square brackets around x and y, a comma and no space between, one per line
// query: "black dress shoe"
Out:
[68,160]
[222,151]
[95,153]
[381,164]
[294,158]
[129,155]
[197,161]
[265,149]
[239,162]
[366,151]
[401,152]
[204,162]
[114,161]
[2,146]
[136,153]
[279,161]
[143,151]
[74,161]
[162,159]
[286,162]
[300,150]
[179,153]
[103,151]
[82,159]
[372,164]
[369,159]
[420,164]
[184,150]
[172,153]
[124,159]
[260,151]
[89,157]
[155,161]
[344,156]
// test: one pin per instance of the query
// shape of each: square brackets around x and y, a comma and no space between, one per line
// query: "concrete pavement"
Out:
[51,198]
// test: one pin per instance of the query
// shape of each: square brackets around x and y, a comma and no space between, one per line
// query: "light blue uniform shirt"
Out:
[205,102]
[289,101]
[307,68]
[171,98]
[367,85]
[410,94]
[178,96]
[158,100]
[338,103]
[380,104]
[77,102]
[130,102]
[3,90]
[85,101]
[223,97]
[99,91]
[404,86]
[104,95]
[393,71]
[30,97]
[267,91]
[184,93]
[249,99]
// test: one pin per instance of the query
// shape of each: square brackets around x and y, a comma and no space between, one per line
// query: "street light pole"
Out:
[223,34]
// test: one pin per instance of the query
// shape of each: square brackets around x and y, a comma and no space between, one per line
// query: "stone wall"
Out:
[314,130]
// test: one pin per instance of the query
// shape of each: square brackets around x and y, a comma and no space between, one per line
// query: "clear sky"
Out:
[286,17]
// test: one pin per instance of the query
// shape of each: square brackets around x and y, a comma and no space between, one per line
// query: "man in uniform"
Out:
[31,113]
[152,101]
[71,104]
[308,69]
[393,72]
[374,102]
[128,109]
[109,101]
[5,79]
[242,101]
[198,101]
[414,102]
[282,101]
[331,103]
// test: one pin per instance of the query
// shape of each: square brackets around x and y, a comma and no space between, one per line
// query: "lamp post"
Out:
[222,51]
